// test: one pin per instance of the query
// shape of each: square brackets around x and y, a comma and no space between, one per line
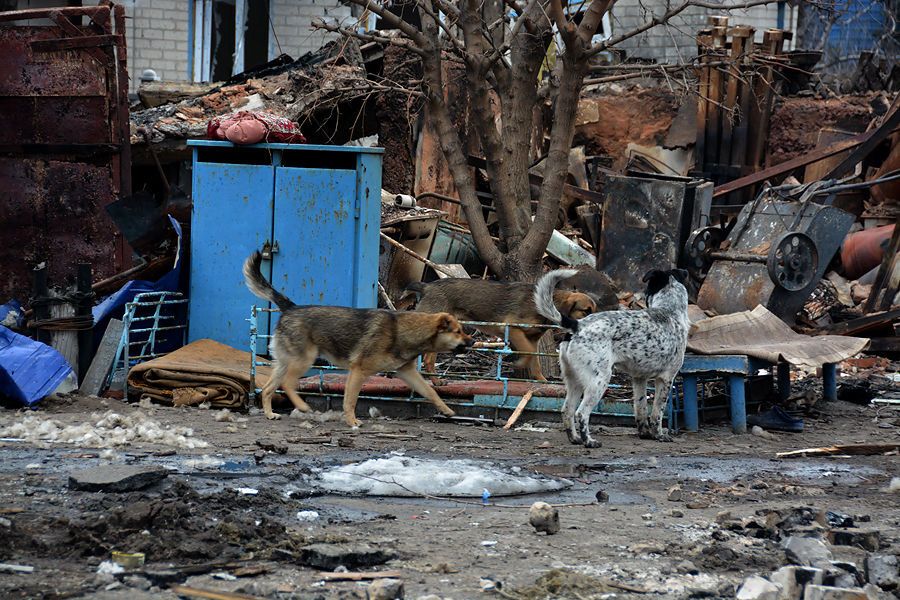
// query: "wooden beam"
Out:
[789,165]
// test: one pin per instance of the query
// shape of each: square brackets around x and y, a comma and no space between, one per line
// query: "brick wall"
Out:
[291,20]
[678,40]
[158,35]
[157,32]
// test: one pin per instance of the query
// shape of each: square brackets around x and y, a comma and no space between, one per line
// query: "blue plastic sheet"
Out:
[114,305]
[29,370]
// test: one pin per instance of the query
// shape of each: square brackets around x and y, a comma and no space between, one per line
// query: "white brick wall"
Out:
[678,40]
[158,33]
[157,37]
[291,20]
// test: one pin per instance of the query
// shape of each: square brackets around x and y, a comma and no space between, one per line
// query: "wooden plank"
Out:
[715,96]
[745,99]
[520,408]
[103,360]
[848,449]
[772,46]
[862,324]
[789,165]
[731,98]
[817,170]
[704,42]
[358,576]
[192,592]
[890,122]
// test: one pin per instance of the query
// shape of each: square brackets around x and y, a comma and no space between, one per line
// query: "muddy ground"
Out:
[637,544]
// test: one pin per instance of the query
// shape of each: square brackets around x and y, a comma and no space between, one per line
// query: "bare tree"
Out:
[502,81]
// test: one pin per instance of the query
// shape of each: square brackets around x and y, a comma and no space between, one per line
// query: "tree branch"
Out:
[392,20]
[368,37]
[451,145]
[565,29]
[600,47]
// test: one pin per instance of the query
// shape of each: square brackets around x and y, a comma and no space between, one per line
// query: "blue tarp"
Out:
[114,305]
[29,370]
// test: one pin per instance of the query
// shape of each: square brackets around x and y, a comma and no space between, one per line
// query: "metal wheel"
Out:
[697,249]
[793,261]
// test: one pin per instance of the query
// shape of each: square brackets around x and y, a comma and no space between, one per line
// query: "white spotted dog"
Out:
[646,344]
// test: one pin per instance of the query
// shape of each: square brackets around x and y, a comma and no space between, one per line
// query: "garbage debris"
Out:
[544,518]
[103,431]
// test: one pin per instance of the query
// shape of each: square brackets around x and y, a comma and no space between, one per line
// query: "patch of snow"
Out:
[108,567]
[103,431]
[398,475]
[307,515]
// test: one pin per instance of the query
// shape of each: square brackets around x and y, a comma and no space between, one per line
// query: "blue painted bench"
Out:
[736,368]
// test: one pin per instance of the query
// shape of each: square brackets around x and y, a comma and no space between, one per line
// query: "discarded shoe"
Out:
[776,419]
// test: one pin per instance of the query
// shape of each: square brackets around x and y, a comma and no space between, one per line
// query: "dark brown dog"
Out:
[498,302]
[362,340]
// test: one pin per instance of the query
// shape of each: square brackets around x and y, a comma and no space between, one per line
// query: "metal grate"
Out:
[503,353]
[151,329]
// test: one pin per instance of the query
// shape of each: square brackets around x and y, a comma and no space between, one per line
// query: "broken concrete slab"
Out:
[352,556]
[757,588]
[867,539]
[825,592]
[792,579]
[806,552]
[116,478]
[386,589]
[883,571]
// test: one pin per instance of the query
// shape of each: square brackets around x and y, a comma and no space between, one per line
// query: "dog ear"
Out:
[656,280]
[568,304]
[446,321]
[650,274]
[681,275]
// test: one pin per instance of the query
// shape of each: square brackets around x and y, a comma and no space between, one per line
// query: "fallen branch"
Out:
[849,449]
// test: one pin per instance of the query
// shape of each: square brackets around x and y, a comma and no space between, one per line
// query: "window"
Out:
[230,36]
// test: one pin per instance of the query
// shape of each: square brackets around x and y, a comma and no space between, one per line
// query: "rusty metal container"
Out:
[64,147]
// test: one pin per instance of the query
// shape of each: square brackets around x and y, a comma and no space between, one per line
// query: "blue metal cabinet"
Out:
[318,209]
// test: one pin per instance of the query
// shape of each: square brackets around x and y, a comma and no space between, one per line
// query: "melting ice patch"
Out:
[398,475]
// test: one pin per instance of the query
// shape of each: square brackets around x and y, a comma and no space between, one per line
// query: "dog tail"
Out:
[254,279]
[543,298]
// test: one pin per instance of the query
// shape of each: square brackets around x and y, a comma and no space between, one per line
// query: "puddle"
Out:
[398,475]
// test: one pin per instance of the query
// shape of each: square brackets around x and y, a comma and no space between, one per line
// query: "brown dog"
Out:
[498,302]
[362,340]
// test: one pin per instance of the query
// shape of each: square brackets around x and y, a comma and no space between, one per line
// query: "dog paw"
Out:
[273,417]
[592,443]
[352,422]
[663,436]
[573,437]
[436,382]
[448,413]
[645,434]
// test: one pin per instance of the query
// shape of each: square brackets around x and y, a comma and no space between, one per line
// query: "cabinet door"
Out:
[315,227]
[232,217]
